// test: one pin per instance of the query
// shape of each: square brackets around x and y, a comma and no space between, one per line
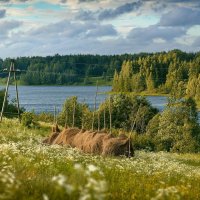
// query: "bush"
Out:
[127,109]
[142,141]
[44,117]
[176,129]
[28,119]
[82,114]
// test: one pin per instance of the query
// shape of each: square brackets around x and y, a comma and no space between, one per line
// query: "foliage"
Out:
[128,112]
[44,117]
[81,112]
[65,70]
[176,129]
[176,73]
[28,119]
[125,109]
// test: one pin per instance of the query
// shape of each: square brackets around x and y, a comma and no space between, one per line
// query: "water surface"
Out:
[45,98]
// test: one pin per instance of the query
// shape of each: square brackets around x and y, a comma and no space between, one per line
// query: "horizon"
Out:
[57,54]
[97,27]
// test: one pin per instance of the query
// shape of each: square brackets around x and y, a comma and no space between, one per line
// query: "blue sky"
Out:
[33,27]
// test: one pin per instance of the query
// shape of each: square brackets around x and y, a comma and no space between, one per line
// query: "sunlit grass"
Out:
[30,170]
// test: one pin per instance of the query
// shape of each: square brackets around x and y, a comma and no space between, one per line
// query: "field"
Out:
[31,171]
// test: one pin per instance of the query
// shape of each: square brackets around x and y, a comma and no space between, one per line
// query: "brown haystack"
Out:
[53,136]
[92,142]
[66,137]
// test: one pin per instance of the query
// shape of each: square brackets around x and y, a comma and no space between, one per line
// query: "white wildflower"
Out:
[92,168]
[45,197]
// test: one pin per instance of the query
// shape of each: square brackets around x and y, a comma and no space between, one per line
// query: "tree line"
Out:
[78,69]
[66,69]
[176,73]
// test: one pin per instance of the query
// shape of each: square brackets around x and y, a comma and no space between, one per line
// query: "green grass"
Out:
[31,171]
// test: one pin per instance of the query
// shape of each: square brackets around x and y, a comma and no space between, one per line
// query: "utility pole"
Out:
[95,106]
[11,70]
[74,111]
[110,113]
[55,116]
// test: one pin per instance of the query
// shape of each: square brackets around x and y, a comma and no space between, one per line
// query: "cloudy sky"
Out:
[34,27]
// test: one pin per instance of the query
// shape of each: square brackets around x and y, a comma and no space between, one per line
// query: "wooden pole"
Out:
[82,121]
[74,110]
[104,118]
[6,93]
[129,144]
[17,94]
[66,118]
[99,125]
[95,101]
[110,113]
[55,117]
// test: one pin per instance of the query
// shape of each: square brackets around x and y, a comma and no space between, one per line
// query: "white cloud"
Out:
[97,26]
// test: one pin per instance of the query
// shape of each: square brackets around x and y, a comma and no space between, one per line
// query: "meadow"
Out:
[30,170]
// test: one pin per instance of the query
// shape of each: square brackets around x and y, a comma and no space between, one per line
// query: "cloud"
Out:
[103,14]
[85,15]
[196,42]
[100,31]
[65,28]
[181,16]
[7,26]
[93,26]
[146,35]
[8,1]
[85,1]
[123,9]
[2,13]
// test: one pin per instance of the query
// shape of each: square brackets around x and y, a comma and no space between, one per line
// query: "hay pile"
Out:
[91,142]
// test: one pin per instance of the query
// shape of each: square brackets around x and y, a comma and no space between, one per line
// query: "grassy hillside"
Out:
[30,170]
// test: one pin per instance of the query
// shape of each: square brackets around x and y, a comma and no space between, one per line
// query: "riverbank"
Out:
[90,81]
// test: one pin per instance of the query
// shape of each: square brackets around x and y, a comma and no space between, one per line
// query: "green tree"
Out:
[176,129]
[80,111]
[126,111]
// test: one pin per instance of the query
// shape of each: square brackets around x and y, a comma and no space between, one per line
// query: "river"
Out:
[45,98]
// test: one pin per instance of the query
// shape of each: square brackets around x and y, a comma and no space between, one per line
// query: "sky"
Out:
[49,27]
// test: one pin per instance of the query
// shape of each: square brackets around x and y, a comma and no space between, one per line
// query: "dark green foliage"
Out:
[63,70]
[143,141]
[128,112]
[124,111]
[28,119]
[176,129]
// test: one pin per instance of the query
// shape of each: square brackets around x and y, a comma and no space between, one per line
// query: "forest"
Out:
[65,70]
[156,69]
[175,73]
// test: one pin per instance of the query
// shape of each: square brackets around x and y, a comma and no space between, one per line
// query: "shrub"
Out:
[127,110]
[176,129]
[28,119]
